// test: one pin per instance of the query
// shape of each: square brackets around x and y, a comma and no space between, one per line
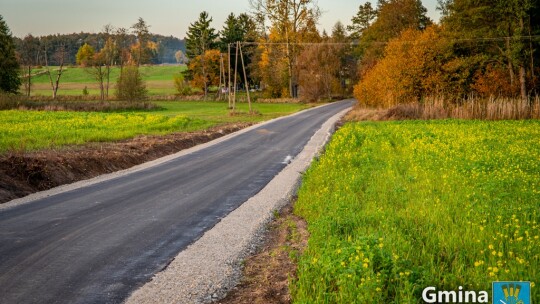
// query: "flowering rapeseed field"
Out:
[395,207]
[31,130]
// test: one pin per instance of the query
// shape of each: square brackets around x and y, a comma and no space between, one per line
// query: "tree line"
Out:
[481,48]
[165,46]
[126,48]
[391,52]
[283,52]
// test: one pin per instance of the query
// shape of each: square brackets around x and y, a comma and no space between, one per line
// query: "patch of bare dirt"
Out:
[266,274]
[25,173]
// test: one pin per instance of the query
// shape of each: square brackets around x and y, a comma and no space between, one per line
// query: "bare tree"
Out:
[97,65]
[122,46]
[29,58]
[110,52]
[320,64]
[59,56]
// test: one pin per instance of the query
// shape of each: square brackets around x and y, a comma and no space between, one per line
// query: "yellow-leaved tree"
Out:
[272,66]
[85,55]
[291,22]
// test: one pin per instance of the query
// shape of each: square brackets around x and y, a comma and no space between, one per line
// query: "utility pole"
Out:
[229,64]
[220,78]
[223,69]
[245,77]
[235,74]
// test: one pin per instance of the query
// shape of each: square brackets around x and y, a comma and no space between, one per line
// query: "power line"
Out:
[356,43]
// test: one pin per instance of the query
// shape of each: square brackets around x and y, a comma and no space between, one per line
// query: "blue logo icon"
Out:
[511,292]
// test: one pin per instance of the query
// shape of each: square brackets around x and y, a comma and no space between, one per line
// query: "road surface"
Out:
[98,243]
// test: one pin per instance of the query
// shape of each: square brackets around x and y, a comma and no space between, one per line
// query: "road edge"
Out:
[109,176]
[191,279]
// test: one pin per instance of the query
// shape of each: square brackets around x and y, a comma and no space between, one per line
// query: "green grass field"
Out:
[33,130]
[395,207]
[159,80]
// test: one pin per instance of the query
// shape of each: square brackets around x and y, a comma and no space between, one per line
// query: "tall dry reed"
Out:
[441,108]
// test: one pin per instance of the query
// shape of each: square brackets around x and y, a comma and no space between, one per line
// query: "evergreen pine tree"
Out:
[363,19]
[515,19]
[231,32]
[200,37]
[9,66]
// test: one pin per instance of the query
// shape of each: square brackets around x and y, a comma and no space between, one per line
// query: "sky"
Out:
[165,17]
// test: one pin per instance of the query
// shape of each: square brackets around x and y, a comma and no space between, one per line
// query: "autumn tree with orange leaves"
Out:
[409,70]
[481,49]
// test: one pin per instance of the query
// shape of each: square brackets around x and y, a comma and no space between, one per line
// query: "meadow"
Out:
[34,130]
[395,207]
[158,78]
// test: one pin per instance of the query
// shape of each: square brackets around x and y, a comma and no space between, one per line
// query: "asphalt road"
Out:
[98,243]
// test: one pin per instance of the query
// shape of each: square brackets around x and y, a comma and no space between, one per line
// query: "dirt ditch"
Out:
[25,173]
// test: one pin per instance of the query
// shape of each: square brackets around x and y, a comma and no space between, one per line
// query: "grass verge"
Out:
[395,207]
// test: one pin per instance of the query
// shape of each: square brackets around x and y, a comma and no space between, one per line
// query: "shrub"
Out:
[69,103]
[130,86]
[494,82]
[182,86]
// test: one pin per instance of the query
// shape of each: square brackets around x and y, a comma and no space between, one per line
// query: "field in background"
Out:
[395,207]
[32,130]
[159,80]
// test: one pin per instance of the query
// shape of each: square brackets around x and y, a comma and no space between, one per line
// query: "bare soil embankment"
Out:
[25,173]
